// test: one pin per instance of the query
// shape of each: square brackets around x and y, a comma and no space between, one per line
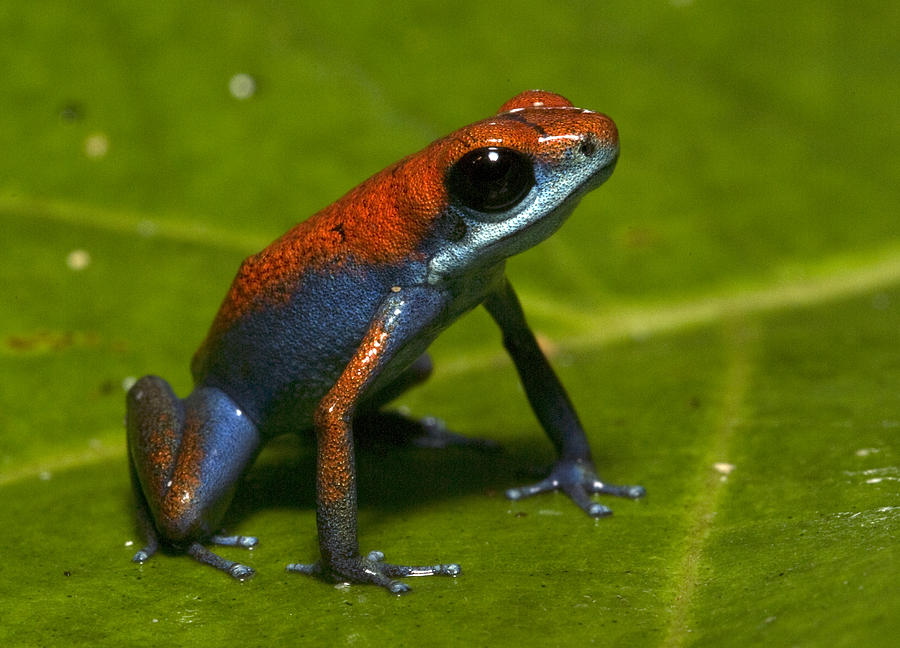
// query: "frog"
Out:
[322,329]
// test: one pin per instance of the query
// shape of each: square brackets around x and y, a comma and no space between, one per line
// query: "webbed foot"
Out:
[578,479]
[373,569]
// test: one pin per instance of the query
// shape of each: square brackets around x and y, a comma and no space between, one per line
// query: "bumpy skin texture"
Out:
[332,320]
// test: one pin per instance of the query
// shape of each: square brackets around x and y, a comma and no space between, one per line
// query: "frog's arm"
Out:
[574,471]
[401,318]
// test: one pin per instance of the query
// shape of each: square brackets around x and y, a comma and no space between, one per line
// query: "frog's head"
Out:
[511,180]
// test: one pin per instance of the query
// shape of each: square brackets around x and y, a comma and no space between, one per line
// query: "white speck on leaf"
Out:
[78,259]
[242,86]
[724,468]
[96,146]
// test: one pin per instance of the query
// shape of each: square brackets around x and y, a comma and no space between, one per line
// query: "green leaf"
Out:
[724,313]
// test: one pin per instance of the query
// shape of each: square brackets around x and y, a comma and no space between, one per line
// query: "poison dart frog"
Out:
[332,320]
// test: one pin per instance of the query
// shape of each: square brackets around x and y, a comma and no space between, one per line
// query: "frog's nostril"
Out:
[588,146]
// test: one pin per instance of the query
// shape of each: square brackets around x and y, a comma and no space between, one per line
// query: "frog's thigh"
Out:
[415,374]
[187,454]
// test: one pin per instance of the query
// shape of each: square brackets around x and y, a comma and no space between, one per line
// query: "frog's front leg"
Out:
[185,458]
[574,471]
[402,317]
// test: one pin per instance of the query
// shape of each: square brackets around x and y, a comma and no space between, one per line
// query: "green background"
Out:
[731,296]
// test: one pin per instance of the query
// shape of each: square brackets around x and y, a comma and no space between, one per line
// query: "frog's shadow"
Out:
[390,478]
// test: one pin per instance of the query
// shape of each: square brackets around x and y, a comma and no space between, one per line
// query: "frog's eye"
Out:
[490,179]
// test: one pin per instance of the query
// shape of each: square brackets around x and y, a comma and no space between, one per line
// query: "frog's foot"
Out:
[398,429]
[578,480]
[204,555]
[373,569]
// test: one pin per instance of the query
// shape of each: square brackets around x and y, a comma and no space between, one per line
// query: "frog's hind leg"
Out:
[185,457]
[372,425]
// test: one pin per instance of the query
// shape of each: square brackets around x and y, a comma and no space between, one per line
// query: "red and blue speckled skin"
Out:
[333,319]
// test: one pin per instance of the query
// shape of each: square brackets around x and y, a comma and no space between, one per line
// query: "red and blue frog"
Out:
[329,323]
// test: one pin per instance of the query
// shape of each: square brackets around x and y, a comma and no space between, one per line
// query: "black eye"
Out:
[490,179]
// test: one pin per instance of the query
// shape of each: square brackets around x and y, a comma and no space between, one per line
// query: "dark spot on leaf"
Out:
[71,112]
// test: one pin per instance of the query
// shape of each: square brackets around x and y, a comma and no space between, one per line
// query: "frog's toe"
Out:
[234,569]
[627,491]
[310,569]
[241,572]
[143,555]
[247,542]
[402,571]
